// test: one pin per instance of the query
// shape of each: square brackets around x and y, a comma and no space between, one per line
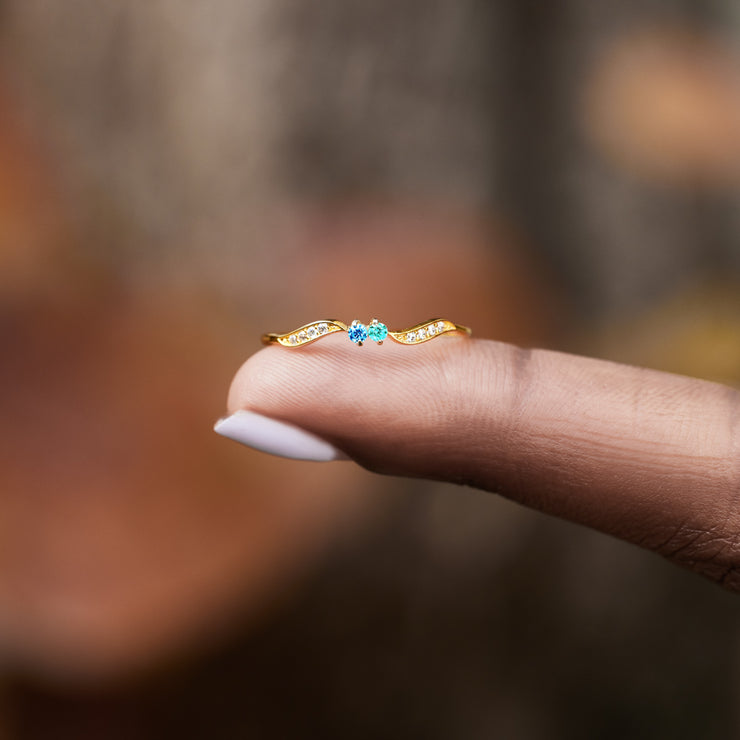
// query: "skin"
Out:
[650,457]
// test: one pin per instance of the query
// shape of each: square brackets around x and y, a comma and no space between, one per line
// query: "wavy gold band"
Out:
[359,332]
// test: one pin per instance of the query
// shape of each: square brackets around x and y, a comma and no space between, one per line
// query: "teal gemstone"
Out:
[377,331]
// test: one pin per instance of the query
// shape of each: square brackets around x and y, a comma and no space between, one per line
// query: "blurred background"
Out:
[177,177]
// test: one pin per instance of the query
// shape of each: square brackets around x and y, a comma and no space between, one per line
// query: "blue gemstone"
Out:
[377,331]
[357,332]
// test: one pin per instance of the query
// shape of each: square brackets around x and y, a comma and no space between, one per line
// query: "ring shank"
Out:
[417,334]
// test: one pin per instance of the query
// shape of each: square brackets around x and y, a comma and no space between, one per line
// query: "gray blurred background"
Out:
[176,178]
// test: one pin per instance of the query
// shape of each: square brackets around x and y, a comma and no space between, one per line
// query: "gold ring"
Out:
[359,332]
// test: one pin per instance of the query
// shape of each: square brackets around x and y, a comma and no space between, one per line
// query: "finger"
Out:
[647,456]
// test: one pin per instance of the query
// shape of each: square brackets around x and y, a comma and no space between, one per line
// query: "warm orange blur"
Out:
[665,104]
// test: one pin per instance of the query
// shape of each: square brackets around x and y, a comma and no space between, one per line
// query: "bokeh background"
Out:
[177,177]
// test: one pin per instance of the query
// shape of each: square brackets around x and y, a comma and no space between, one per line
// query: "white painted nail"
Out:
[276,437]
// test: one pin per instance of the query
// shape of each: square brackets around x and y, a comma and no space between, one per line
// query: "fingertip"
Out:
[246,377]
[393,408]
[278,381]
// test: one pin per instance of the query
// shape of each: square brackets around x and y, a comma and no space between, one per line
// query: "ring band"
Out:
[359,332]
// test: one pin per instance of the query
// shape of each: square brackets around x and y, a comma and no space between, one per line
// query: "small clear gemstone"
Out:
[432,330]
[302,337]
[421,334]
[411,336]
[323,328]
[293,339]
[312,332]
[440,325]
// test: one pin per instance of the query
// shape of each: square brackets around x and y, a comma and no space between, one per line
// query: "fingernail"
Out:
[276,437]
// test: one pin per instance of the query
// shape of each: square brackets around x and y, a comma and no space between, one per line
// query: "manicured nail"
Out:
[276,437]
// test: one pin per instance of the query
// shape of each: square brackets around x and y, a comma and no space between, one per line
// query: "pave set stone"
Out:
[309,333]
[423,333]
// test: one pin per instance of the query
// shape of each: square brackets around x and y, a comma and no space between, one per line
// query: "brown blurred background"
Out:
[178,176]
